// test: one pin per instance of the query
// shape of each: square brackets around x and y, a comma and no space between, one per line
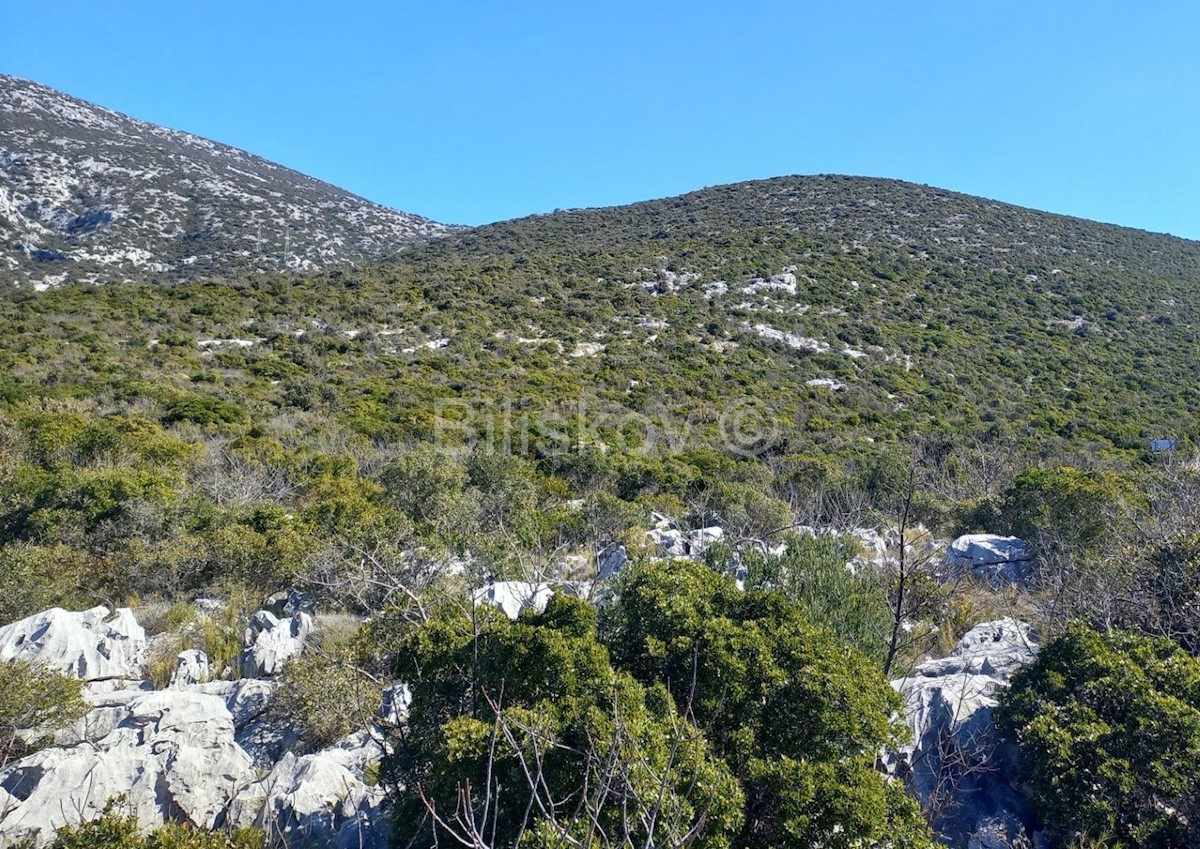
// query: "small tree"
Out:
[522,733]
[798,715]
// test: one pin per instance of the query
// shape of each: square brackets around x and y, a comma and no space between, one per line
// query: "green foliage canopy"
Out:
[1109,730]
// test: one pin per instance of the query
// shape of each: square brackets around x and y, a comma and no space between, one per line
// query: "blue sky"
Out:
[470,112]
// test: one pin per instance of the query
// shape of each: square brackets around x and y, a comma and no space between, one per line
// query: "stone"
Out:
[171,753]
[319,799]
[271,642]
[90,645]
[673,542]
[998,560]
[289,602]
[611,561]
[956,762]
[191,668]
[514,597]
[831,383]
[394,703]
[263,738]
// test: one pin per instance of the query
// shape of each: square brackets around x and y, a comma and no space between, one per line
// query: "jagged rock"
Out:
[996,559]
[956,763]
[673,542]
[191,668]
[89,645]
[289,602]
[320,799]
[393,706]
[514,597]
[271,642]
[611,561]
[171,753]
[247,700]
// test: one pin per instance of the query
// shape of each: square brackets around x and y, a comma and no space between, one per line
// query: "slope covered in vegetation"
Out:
[518,400]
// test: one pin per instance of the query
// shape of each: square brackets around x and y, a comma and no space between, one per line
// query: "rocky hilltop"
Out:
[89,194]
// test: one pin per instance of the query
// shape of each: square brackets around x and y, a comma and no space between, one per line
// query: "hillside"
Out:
[90,194]
[630,405]
[837,312]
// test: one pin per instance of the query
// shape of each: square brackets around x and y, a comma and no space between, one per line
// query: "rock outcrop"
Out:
[202,752]
[271,642]
[515,597]
[171,753]
[319,799]
[956,763]
[247,700]
[90,645]
[191,668]
[997,560]
[674,542]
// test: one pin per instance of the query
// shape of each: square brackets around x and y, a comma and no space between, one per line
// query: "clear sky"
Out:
[469,112]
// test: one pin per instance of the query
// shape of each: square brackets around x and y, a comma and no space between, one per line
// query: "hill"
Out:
[90,194]
[838,313]
[579,394]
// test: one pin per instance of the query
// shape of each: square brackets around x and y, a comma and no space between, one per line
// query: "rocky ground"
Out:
[202,749]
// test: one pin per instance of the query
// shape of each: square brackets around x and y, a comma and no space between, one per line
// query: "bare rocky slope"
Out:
[89,194]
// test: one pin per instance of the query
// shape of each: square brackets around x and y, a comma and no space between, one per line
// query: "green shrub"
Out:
[324,695]
[203,410]
[812,572]
[502,707]
[798,716]
[114,830]
[37,701]
[1109,731]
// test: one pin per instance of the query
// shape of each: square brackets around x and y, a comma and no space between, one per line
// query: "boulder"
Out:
[514,597]
[321,799]
[90,645]
[191,668]
[996,559]
[611,561]
[289,602]
[247,699]
[171,753]
[394,704]
[271,642]
[956,762]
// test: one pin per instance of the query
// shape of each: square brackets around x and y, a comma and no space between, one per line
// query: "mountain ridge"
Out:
[89,193]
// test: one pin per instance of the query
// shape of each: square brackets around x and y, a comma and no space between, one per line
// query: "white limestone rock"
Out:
[999,560]
[89,645]
[271,642]
[394,704]
[956,757]
[247,700]
[319,799]
[171,753]
[191,668]
[515,597]
[611,561]
[674,542]
[830,383]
